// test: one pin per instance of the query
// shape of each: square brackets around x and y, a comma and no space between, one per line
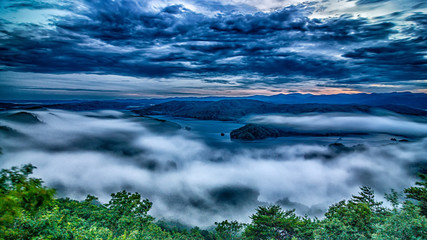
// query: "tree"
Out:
[419,193]
[367,196]
[128,211]
[393,198]
[346,220]
[405,223]
[353,219]
[228,230]
[20,195]
[272,222]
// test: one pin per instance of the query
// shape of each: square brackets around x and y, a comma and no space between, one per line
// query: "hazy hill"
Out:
[413,100]
[237,108]
[80,105]
[209,110]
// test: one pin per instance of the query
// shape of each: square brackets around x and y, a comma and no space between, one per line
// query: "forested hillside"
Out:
[29,210]
[226,110]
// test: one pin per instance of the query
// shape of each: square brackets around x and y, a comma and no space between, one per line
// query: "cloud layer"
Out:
[346,123]
[204,40]
[195,182]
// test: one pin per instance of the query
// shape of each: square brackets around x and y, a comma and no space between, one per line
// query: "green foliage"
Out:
[364,218]
[306,228]
[406,223]
[128,211]
[354,219]
[419,193]
[20,195]
[28,211]
[347,220]
[367,196]
[229,230]
[272,222]
[393,198]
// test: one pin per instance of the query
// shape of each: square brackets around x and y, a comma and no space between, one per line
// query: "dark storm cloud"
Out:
[364,2]
[420,18]
[128,37]
[290,18]
[217,81]
[223,7]
[294,64]
[420,28]
[399,60]
[71,89]
[29,4]
[419,5]
[346,29]
[48,51]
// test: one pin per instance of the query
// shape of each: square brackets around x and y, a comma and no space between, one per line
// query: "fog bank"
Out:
[194,182]
[346,122]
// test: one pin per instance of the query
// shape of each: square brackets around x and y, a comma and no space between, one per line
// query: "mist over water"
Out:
[196,182]
[348,122]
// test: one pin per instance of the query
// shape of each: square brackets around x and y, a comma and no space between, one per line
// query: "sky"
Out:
[103,49]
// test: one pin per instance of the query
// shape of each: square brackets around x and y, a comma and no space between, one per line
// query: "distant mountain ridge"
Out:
[408,99]
[415,100]
[225,110]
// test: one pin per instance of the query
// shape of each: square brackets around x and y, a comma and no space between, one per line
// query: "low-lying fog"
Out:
[347,122]
[196,182]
